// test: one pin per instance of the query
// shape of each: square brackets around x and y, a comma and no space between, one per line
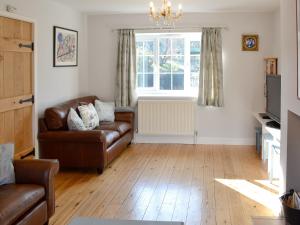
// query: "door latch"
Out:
[31,46]
[27,100]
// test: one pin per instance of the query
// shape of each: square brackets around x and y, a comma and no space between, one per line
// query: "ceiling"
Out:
[141,6]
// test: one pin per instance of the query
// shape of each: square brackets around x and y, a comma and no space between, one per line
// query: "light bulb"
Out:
[169,4]
[151,4]
[179,7]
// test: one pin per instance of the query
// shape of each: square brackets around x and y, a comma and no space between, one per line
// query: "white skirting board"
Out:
[168,139]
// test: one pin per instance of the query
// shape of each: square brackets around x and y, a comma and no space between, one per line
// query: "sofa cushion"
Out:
[121,127]
[74,121]
[89,116]
[17,199]
[111,137]
[7,173]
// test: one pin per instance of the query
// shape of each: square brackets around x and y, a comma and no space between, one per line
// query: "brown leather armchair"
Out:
[31,200]
[83,149]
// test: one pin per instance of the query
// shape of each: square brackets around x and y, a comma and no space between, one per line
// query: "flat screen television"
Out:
[273,86]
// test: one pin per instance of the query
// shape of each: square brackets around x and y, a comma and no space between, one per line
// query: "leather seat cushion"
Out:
[121,127]
[17,199]
[110,137]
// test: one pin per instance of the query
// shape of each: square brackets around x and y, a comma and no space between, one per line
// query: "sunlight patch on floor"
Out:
[255,193]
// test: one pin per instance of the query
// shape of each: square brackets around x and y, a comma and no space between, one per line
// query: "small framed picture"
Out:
[250,42]
[271,66]
[65,49]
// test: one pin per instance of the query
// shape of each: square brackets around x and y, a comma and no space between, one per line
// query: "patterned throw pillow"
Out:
[105,110]
[74,121]
[7,173]
[89,116]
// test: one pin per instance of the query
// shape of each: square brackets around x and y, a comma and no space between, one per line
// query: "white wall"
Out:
[54,85]
[243,71]
[289,99]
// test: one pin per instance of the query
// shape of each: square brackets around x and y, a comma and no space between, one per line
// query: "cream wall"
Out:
[289,157]
[54,85]
[243,71]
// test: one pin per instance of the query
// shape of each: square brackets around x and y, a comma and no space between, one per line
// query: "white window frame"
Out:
[155,91]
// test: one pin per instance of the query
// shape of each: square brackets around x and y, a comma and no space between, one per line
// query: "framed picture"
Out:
[271,66]
[65,49]
[250,42]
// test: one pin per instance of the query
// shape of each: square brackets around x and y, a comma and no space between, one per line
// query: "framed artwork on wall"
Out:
[65,47]
[250,42]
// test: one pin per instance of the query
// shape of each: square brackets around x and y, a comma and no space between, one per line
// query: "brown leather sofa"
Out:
[83,149]
[31,200]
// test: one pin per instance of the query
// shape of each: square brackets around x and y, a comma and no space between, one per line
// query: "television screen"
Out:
[274,97]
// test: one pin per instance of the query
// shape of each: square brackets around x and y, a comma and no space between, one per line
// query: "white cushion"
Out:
[89,116]
[105,110]
[7,173]
[74,121]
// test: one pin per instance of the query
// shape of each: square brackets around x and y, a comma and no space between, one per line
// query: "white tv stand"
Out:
[270,146]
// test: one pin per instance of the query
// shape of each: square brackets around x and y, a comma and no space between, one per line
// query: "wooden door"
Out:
[16,85]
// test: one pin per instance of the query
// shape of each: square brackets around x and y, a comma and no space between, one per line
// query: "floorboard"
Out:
[195,184]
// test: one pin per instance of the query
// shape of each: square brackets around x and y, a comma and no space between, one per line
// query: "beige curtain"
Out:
[126,70]
[211,69]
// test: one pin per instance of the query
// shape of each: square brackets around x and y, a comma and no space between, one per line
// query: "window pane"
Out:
[149,64]
[165,82]
[164,46]
[195,47]
[195,64]
[194,80]
[148,80]
[177,64]
[178,82]
[140,80]
[178,46]
[140,64]
[139,47]
[165,64]
[149,48]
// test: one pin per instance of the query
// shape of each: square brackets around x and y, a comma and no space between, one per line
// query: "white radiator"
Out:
[167,117]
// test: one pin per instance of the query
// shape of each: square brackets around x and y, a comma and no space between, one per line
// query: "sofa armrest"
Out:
[73,136]
[125,117]
[40,172]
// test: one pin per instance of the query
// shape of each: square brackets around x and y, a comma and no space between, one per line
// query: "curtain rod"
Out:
[170,28]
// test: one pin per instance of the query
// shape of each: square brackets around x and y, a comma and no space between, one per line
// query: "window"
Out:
[168,63]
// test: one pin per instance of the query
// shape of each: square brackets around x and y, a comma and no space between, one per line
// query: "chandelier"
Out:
[165,16]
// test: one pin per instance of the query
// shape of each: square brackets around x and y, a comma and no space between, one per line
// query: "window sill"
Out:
[166,97]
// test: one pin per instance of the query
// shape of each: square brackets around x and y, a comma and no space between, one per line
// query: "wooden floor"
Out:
[196,184]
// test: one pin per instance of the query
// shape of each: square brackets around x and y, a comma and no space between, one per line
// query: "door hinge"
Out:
[31,46]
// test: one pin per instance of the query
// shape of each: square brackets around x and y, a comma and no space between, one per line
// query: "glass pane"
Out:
[140,64]
[148,80]
[178,46]
[195,64]
[195,47]
[148,64]
[194,80]
[139,47]
[165,46]
[178,82]
[165,82]
[165,64]
[140,80]
[178,64]
[149,48]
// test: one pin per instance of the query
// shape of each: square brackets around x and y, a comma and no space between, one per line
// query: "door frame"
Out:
[34,91]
